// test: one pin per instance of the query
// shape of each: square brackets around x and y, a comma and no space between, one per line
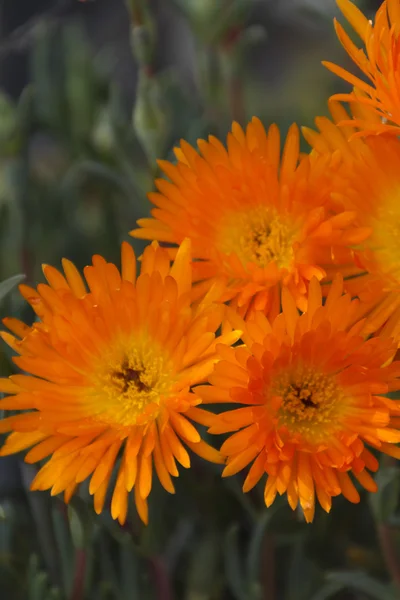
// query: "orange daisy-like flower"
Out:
[311,393]
[369,183]
[111,371]
[375,105]
[258,221]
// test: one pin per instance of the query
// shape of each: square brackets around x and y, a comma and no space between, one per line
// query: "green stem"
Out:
[40,506]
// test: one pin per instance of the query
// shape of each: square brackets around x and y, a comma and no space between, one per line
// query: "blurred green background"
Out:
[91,93]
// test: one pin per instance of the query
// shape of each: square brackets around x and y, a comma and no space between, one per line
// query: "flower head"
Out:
[257,220]
[310,389]
[375,105]
[110,373]
[368,182]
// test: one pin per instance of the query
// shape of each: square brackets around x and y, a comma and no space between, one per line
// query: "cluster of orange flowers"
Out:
[276,295]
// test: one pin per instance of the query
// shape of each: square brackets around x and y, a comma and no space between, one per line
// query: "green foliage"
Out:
[210,21]
[38,583]
[9,284]
[76,161]
[385,501]
[360,582]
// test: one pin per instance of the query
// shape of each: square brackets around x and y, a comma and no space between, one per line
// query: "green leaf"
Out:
[385,501]
[232,484]
[79,83]
[87,169]
[233,567]
[210,21]
[38,586]
[26,108]
[315,14]
[143,42]
[149,117]
[110,579]
[47,92]
[7,117]
[113,528]
[130,569]
[80,522]
[64,546]
[302,576]
[328,591]
[9,127]
[9,284]
[33,566]
[254,556]
[54,594]
[40,509]
[38,581]
[204,566]
[363,583]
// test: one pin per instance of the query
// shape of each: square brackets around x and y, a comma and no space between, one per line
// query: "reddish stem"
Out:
[79,576]
[236,99]
[268,568]
[163,588]
[136,13]
[231,37]
[234,82]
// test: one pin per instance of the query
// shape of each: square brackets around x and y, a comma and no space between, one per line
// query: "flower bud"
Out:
[149,118]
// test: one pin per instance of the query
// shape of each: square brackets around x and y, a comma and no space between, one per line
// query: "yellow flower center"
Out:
[259,236]
[132,380]
[311,404]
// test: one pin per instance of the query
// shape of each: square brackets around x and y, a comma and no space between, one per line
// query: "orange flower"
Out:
[311,393]
[368,182]
[111,370]
[256,220]
[375,105]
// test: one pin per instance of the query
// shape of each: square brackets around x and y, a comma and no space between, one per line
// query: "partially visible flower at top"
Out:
[369,183]
[311,391]
[254,218]
[110,371]
[375,105]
